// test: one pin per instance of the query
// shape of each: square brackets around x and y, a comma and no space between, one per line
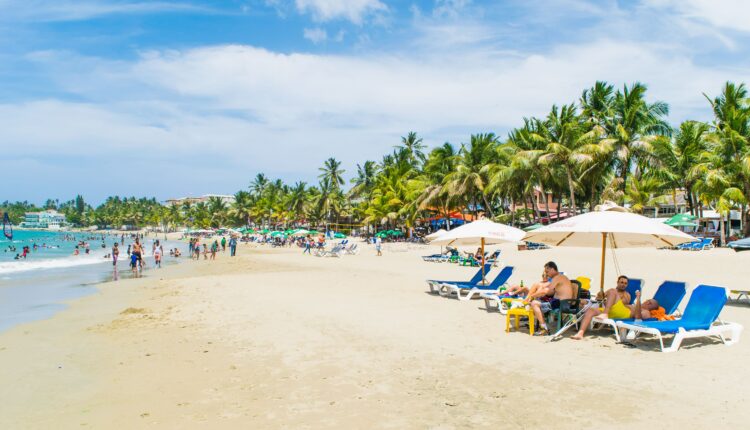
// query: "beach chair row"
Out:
[699,319]
[701,244]
[453,256]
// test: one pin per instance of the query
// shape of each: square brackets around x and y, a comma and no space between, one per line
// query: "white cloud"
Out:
[316,35]
[728,14]
[233,109]
[67,10]
[352,10]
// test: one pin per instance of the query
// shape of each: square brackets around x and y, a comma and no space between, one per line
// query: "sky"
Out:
[188,97]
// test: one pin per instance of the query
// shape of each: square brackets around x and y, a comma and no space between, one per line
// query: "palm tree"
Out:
[472,174]
[566,145]
[364,182]
[297,200]
[438,165]
[217,209]
[731,139]
[259,184]
[413,148]
[634,124]
[243,207]
[332,173]
[674,159]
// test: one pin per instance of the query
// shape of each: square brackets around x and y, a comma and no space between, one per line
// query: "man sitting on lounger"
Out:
[617,307]
[559,288]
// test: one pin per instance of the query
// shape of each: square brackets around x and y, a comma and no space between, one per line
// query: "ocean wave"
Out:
[50,263]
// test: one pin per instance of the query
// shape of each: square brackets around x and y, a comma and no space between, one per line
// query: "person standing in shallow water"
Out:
[115,254]
[232,246]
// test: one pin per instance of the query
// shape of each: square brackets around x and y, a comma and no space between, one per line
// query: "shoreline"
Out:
[275,339]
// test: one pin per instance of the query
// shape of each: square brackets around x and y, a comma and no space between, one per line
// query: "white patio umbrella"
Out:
[620,229]
[482,232]
[301,232]
[432,236]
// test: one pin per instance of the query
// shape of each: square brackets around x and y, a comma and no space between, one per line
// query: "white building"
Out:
[50,219]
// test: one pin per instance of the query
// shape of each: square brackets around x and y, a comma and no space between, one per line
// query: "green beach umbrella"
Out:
[339,236]
[265,231]
[532,227]
[682,220]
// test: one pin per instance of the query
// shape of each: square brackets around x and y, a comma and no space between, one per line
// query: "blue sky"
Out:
[170,98]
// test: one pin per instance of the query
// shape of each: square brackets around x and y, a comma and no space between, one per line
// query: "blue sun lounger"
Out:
[669,295]
[700,319]
[476,289]
[436,285]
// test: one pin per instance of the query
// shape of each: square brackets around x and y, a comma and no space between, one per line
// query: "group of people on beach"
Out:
[554,287]
[209,250]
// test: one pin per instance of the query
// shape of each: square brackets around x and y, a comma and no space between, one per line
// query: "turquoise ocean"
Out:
[35,287]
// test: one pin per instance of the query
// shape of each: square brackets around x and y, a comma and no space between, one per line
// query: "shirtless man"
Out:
[618,307]
[559,288]
[137,250]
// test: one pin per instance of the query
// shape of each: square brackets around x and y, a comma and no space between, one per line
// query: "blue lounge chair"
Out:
[476,289]
[699,320]
[437,285]
[634,285]
[669,295]
[494,258]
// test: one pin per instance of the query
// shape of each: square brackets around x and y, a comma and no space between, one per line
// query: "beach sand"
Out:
[276,339]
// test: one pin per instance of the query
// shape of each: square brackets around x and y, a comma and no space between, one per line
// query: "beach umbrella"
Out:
[265,231]
[682,220]
[620,229]
[339,236]
[277,233]
[532,227]
[482,232]
[432,236]
[301,232]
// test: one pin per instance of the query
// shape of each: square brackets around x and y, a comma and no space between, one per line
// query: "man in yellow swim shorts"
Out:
[618,307]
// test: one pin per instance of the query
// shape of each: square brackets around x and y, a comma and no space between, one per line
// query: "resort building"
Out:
[226,198]
[50,219]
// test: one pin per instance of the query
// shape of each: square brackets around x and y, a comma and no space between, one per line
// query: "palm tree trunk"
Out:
[525,205]
[571,189]
[546,201]
[487,207]
[624,175]
[721,227]
[689,193]
[534,206]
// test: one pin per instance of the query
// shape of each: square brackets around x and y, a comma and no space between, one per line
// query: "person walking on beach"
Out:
[379,246]
[138,252]
[223,244]
[232,246]
[308,245]
[205,251]
[157,254]
[115,254]
[214,248]
[191,247]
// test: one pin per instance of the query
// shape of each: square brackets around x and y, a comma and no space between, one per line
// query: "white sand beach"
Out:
[276,339]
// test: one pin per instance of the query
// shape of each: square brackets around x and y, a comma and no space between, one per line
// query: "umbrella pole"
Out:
[482,263]
[604,251]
